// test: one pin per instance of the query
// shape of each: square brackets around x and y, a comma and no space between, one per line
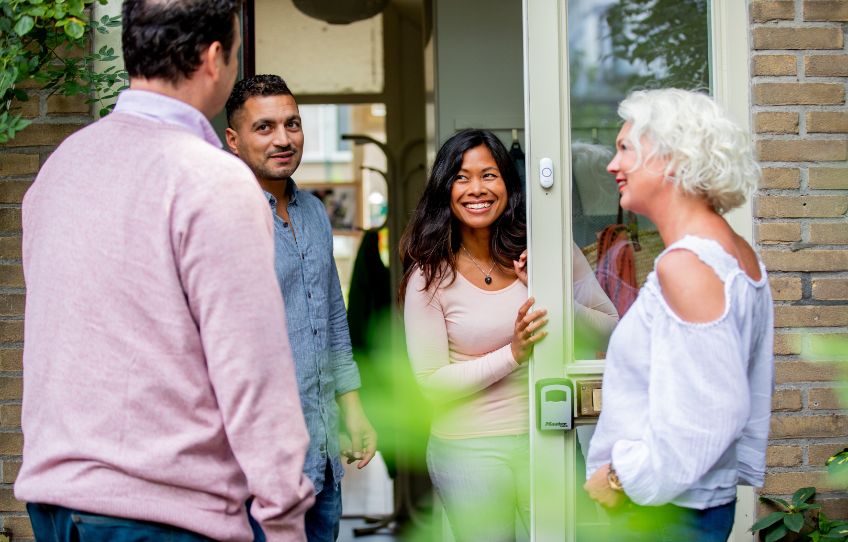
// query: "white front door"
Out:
[581,57]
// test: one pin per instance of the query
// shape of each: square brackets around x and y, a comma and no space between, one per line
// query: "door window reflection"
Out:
[616,46]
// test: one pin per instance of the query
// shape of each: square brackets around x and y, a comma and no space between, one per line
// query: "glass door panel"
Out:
[616,46]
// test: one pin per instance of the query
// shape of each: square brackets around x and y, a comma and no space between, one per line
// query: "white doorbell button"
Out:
[546,172]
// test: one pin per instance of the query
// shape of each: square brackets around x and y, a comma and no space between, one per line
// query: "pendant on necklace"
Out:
[488,279]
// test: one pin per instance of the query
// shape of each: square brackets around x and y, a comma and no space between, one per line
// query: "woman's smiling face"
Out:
[478,193]
[639,184]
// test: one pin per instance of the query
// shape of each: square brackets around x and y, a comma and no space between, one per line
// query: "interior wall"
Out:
[479,75]
[316,57]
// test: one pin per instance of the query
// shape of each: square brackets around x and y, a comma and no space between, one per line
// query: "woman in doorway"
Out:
[469,334]
[688,378]
[469,331]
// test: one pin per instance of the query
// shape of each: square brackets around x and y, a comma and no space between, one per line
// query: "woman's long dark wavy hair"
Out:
[431,239]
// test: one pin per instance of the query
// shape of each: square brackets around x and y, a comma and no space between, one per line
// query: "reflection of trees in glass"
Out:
[668,39]
[594,73]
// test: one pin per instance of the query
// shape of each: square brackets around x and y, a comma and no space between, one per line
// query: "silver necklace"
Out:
[487,277]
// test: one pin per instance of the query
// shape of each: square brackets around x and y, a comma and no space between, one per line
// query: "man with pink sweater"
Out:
[159,390]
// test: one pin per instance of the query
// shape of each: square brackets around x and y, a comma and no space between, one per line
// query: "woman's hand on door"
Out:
[527,330]
[520,267]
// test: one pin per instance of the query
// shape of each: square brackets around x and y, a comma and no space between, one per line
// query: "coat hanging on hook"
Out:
[518,158]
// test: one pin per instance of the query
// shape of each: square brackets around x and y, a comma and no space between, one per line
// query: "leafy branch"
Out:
[837,467]
[46,41]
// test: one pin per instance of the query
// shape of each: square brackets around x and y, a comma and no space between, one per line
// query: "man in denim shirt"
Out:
[265,132]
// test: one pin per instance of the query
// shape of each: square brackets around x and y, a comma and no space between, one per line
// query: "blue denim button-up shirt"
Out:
[317,325]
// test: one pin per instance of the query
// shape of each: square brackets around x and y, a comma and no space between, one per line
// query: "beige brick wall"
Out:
[799,69]
[54,117]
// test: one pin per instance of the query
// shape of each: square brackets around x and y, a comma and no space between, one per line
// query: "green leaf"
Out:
[838,463]
[20,123]
[775,500]
[76,7]
[75,29]
[24,25]
[770,519]
[7,79]
[801,496]
[827,348]
[9,126]
[841,457]
[794,522]
[776,534]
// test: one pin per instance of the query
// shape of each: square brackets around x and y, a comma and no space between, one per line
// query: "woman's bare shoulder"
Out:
[690,287]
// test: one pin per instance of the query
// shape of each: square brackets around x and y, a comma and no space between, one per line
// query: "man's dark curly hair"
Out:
[257,85]
[163,39]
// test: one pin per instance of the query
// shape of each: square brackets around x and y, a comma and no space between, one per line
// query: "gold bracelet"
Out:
[613,480]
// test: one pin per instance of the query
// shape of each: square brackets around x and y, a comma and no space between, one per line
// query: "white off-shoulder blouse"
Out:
[686,405]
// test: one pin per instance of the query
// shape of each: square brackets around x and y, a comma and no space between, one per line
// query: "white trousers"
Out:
[484,485]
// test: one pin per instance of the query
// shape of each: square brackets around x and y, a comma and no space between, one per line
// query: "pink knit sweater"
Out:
[158,381]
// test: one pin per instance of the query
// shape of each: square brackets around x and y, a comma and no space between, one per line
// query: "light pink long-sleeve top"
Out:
[158,380]
[458,339]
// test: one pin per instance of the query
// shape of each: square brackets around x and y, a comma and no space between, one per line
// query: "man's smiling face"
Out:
[268,136]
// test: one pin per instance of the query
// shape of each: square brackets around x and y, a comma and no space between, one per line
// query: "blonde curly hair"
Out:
[708,154]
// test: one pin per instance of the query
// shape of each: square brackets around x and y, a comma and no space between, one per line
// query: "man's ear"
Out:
[213,60]
[232,140]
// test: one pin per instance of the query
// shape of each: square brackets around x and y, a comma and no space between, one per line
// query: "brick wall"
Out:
[799,68]
[54,117]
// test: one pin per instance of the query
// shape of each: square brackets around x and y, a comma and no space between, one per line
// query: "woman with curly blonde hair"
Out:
[689,372]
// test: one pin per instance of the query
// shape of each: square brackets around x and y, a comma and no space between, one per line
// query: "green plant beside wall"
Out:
[47,41]
[795,515]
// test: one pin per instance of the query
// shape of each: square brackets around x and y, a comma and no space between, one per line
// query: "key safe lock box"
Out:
[562,403]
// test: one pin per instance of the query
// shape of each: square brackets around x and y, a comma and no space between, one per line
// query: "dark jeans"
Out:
[669,523]
[58,524]
[322,519]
